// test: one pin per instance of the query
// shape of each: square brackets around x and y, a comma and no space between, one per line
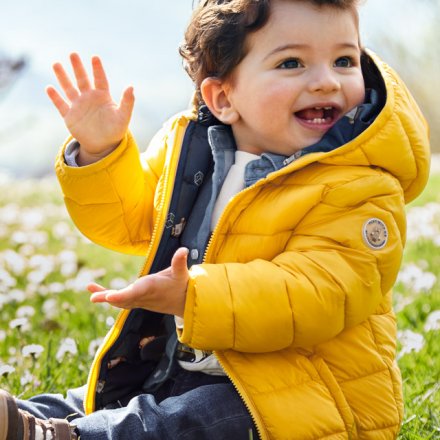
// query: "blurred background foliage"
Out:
[405,33]
[418,64]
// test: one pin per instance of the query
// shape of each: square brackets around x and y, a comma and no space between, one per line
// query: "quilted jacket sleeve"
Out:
[112,200]
[326,279]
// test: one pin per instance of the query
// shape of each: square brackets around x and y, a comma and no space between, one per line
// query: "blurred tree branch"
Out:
[9,71]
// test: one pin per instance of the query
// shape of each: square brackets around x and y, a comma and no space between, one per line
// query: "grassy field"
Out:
[49,331]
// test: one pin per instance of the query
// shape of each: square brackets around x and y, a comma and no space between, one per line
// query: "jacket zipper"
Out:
[235,382]
[93,384]
[166,197]
[237,385]
[262,434]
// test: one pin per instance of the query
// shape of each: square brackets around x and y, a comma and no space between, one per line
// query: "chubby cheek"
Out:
[356,93]
[272,103]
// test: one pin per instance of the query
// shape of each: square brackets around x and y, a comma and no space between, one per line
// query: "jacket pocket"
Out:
[338,396]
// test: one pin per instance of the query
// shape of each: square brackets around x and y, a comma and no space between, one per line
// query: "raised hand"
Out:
[89,112]
[163,292]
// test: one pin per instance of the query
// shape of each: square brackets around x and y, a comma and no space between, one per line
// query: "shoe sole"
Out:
[4,423]
[8,417]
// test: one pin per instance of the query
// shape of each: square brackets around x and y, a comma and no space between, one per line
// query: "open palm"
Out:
[89,112]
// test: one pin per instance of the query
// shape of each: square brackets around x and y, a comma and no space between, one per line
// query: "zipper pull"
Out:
[352,115]
[290,159]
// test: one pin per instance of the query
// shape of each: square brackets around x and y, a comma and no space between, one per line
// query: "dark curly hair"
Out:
[214,41]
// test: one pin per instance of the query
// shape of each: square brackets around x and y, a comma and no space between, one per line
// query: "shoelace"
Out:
[32,422]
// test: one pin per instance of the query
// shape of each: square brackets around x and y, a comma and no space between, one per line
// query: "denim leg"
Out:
[213,412]
[57,406]
[190,406]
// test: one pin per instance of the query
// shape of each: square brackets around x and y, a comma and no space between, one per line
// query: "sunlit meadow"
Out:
[49,330]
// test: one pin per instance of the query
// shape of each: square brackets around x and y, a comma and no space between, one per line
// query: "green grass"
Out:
[431,192]
[34,222]
[56,316]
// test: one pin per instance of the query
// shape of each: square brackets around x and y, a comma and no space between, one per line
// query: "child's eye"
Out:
[291,63]
[344,62]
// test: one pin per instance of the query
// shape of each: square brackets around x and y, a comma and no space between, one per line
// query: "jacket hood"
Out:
[398,139]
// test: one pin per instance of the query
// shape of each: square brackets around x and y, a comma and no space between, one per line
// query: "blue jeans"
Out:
[189,405]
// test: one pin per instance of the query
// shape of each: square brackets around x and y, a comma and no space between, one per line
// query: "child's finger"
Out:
[127,102]
[98,297]
[99,76]
[64,81]
[125,295]
[57,100]
[81,76]
[95,287]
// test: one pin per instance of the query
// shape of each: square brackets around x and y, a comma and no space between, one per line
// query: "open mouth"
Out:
[318,115]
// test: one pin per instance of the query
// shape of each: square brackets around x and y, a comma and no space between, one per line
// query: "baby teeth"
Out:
[317,121]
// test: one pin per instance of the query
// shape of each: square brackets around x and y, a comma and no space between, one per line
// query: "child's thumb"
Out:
[179,261]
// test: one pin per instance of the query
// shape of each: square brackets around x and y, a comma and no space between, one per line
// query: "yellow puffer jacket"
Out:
[294,295]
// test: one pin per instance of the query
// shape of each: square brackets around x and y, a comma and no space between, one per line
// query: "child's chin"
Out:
[310,142]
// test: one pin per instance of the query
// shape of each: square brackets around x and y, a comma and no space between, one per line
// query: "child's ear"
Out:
[215,94]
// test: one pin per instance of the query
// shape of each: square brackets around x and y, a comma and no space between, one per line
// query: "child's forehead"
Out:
[304,20]
[310,11]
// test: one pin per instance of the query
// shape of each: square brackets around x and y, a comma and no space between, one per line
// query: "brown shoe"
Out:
[16,424]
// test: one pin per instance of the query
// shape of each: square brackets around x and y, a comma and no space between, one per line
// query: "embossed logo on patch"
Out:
[375,233]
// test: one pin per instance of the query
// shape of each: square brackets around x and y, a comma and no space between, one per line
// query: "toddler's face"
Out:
[301,74]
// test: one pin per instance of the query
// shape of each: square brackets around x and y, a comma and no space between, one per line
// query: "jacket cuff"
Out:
[97,183]
[196,332]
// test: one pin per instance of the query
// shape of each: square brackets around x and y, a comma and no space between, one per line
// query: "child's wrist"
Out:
[84,157]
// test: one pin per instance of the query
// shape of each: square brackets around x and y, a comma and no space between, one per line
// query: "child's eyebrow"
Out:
[285,47]
[297,46]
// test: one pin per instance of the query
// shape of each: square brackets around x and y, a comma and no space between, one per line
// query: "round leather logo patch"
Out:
[375,233]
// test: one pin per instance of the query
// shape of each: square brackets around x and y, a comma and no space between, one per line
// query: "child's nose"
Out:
[324,80]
